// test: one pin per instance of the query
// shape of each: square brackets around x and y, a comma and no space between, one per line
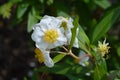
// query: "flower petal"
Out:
[48,61]
[70,23]
[83,60]
[37,33]
[42,45]
[76,43]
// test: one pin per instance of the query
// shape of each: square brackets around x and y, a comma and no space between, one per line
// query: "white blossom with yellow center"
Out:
[44,56]
[67,25]
[103,48]
[47,34]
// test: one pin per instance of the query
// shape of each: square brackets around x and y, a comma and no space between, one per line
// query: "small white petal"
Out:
[48,61]
[85,59]
[42,45]
[37,33]
[70,21]
[76,43]
[55,23]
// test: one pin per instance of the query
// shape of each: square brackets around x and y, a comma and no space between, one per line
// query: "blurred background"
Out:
[17,17]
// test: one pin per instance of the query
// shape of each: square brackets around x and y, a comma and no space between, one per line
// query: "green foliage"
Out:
[74,32]
[22,8]
[105,24]
[58,58]
[103,3]
[72,71]
[100,71]
[5,10]
[31,21]
[96,19]
[84,41]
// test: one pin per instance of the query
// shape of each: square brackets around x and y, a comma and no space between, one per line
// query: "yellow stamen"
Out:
[103,48]
[39,55]
[51,36]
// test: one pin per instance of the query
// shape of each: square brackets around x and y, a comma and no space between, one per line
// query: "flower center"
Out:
[51,36]
[104,49]
[39,55]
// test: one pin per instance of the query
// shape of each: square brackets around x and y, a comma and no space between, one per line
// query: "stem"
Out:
[70,53]
[65,48]
[59,52]
[73,55]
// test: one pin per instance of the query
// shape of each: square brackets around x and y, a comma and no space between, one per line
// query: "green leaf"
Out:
[35,74]
[103,3]
[22,8]
[83,40]
[32,20]
[105,24]
[58,58]
[114,74]
[49,2]
[59,68]
[74,32]
[62,13]
[83,37]
[83,47]
[100,71]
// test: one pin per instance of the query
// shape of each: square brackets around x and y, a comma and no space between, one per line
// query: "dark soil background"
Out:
[16,52]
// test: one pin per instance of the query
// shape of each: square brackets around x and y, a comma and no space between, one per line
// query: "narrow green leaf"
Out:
[62,13]
[58,58]
[31,21]
[22,8]
[83,46]
[100,71]
[105,24]
[83,37]
[83,40]
[103,3]
[104,65]
[74,31]
[33,17]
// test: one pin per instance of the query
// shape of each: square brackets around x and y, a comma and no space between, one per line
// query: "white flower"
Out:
[44,56]
[103,48]
[84,58]
[67,25]
[47,34]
